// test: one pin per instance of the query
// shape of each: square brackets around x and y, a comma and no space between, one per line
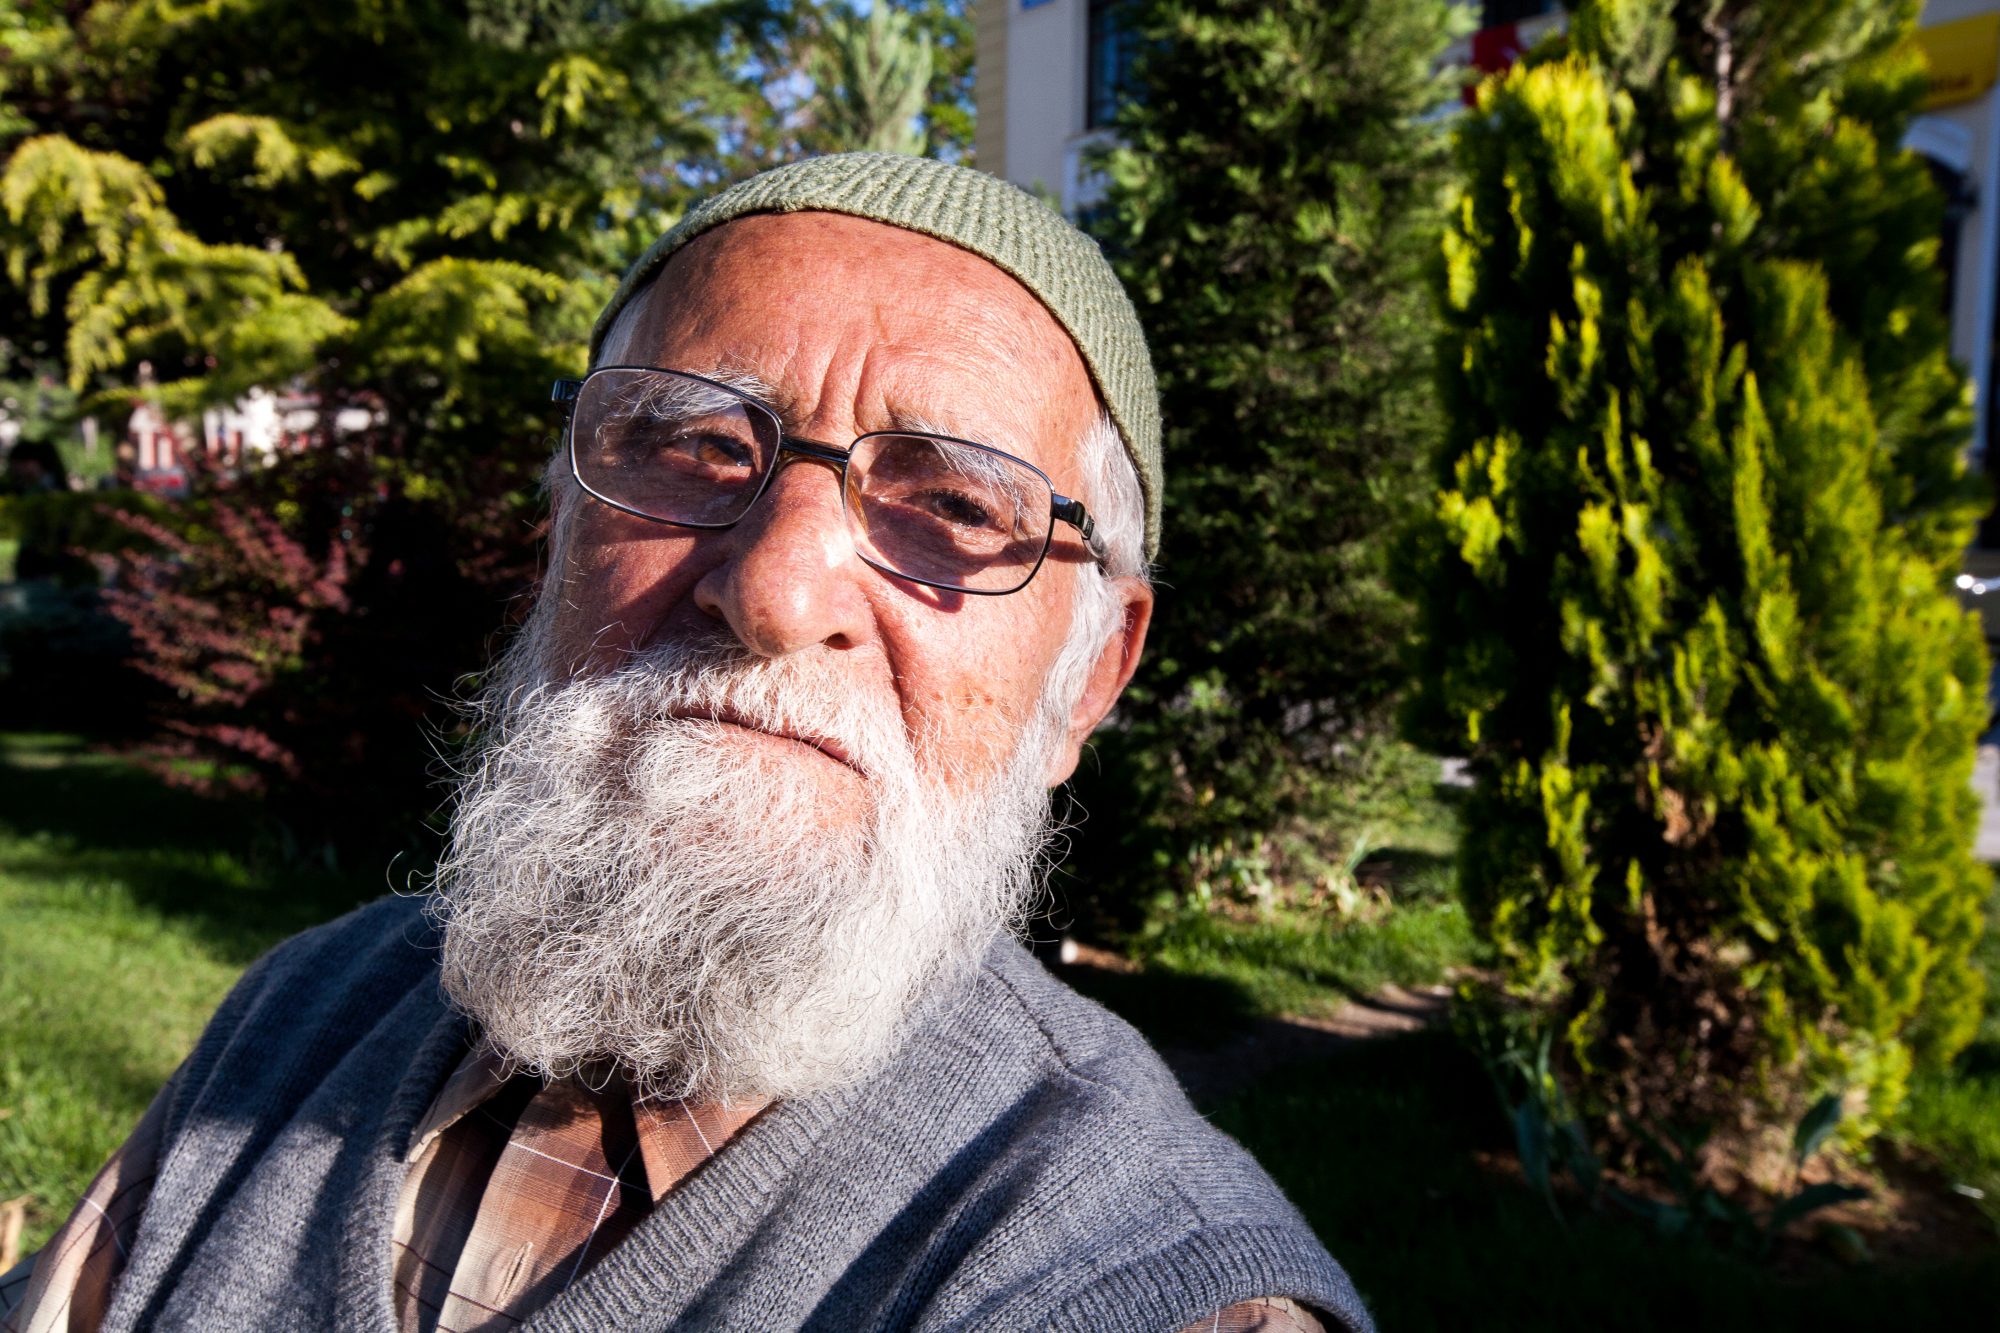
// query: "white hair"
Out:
[1111,494]
[629,883]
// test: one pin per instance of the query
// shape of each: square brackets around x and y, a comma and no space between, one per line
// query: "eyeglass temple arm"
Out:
[1073,513]
[565,392]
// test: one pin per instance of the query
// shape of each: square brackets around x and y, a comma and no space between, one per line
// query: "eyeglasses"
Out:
[678,449]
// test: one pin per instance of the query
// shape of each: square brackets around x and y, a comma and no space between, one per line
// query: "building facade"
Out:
[1049,80]
[256,430]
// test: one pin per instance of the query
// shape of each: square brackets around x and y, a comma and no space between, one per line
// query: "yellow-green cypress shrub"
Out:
[1685,581]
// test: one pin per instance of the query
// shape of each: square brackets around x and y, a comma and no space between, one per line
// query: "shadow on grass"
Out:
[1388,1149]
[57,784]
[1411,873]
[1172,1009]
[218,865]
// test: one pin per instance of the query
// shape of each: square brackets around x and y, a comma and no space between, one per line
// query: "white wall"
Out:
[1047,54]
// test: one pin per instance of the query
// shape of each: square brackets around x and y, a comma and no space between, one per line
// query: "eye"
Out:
[701,446]
[711,449]
[959,508]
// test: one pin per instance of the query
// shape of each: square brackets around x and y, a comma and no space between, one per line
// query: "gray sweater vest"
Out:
[1025,1163]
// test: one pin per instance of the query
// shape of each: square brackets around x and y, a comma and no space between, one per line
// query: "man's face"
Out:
[741,800]
[854,326]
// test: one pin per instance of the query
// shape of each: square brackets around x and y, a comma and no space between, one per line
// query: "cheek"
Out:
[619,588]
[974,697]
[966,728]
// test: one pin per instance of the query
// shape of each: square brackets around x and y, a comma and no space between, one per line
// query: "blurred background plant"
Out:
[878,66]
[1271,199]
[199,202]
[1685,582]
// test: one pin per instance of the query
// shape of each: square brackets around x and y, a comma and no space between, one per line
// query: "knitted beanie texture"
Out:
[993,219]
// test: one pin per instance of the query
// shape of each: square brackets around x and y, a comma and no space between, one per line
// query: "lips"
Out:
[826,745]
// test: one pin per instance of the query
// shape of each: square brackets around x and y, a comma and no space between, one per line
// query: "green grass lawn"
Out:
[1298,962]
[126,910]
[1205,968]
[1201,976]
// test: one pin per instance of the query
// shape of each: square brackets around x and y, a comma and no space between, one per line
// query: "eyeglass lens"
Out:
[683,450]
[671,446]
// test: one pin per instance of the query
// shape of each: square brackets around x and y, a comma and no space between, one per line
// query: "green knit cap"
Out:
[1000,223]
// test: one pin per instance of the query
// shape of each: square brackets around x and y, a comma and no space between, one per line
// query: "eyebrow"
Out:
[922,425]
[743,380]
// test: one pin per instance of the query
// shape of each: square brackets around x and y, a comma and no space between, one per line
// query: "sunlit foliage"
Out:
[1685,578]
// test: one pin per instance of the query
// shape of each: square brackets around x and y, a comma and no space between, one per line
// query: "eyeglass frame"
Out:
[1062,508]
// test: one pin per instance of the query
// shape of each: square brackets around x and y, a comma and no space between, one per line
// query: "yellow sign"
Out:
[1964,57]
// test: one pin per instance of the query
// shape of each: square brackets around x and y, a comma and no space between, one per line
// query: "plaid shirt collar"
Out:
[517,1186]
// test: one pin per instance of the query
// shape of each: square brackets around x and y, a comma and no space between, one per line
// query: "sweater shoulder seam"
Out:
[1070,1069]
[1049,1039]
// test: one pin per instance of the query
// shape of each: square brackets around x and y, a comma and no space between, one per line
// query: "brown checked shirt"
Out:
[515,1188]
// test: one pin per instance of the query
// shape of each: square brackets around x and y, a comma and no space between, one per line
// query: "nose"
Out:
[789,578]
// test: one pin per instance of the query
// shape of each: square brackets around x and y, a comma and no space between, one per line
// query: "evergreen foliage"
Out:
[408,212]
[873,75]
[947,112]
[1271,203]
[838,75]
[1685,584]
[412,205]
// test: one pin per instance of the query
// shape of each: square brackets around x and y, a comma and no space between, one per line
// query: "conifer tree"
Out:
[872,75]
[1685,584]
[1271,203]
[948,113]
[406,212]
[843,75]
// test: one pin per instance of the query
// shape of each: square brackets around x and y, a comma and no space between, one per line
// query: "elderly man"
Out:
[713,1019]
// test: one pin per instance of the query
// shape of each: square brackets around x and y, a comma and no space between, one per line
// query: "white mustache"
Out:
[624,883]
[714,682]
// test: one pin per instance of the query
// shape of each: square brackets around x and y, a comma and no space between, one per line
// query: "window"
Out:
[1113,44]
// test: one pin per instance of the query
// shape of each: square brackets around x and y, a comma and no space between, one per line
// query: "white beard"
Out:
[665,894]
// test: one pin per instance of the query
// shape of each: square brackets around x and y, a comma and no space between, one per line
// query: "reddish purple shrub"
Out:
[310,661]
[227,625]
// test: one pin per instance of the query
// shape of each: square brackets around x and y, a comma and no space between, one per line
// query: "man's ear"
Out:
[1108,675]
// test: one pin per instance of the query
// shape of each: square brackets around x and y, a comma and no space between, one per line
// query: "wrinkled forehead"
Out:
[818,304]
